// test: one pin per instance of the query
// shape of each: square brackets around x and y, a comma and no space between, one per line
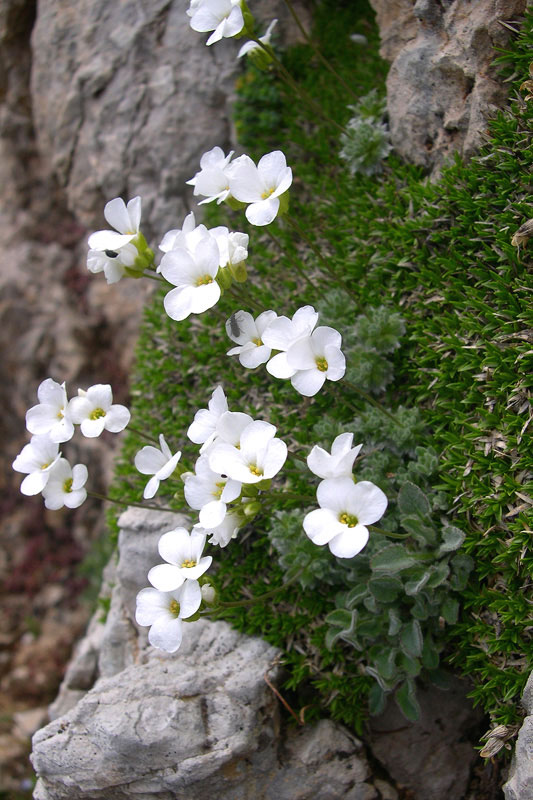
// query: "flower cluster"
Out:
[179,588]
[200,263]
[52,422]
[262,187]
[122,251]
[346,508]
[307,355]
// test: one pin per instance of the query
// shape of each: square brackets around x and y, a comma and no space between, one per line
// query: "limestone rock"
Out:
[433,757]
[441,88]
[520,783]
[132,721]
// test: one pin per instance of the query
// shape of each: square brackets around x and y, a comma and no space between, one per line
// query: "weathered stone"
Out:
[520,783]
[442,88]
[136,722]
[433,757]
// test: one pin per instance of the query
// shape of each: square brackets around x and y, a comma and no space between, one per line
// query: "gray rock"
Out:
[441,87]
[131,721]
[520,783]
[130,100]
[433,757]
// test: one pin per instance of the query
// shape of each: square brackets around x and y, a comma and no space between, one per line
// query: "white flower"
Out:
[259,457]
[194,276]
[339,462]
[247,332]
[65,485]
[223,17]
[260,185]
[37,459]
[250,47]
[203,429]
[178,236]
[316,358]
[183,553]
[125,220]
[50,415]
[159,463]
[112,263]
[232,246]
[222,534]
[93,410]
[209,492]
[212,181]
[284,332]
[346,508]
[163,611]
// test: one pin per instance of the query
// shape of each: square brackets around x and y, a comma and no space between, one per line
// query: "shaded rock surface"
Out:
[131,721]
[442,87]
[520,783]
[433,758]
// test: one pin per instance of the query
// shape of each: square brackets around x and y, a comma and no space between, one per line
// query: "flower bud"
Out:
[251,509]
[238,271]
[223,278]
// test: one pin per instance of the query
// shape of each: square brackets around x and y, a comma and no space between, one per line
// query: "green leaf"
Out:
[355,595]
[411,666]
[430,655]
[386,685]
[411,639]
[385,589]
[420,608]
[342,618]
[412,501]
[393,558]
[385,663]
[376,700]
[423,533]
[417,582]
[371,605]
[405,697]
[450,610]
[452,539]
[440,678]
[395,622]
[462,565]
[438,574]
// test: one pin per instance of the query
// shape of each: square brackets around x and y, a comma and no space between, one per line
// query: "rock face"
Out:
[135,722]
[520,783]
[434,757]
[441,87]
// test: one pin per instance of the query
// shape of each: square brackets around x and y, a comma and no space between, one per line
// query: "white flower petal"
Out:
[350,542]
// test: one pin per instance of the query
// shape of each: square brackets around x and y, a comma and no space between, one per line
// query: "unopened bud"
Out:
[223,278]
[238,271]
[251,509]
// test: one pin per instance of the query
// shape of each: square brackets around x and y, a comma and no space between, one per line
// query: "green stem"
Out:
[389,533]
[300,267]
[287,77]
[260,598]
[370,400]
[143,435]
[154,276]
[325,264]
[244,297]
[129,503]
[317,52]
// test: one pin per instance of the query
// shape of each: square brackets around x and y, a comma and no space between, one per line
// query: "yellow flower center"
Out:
[217,494]
[45,466]
[254,469]
[266,194]
[97,413]
[257,341]
[60,414]
[67,486]
[204,280]
[189,562]
[321,364]
[348,519]
[174,609]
